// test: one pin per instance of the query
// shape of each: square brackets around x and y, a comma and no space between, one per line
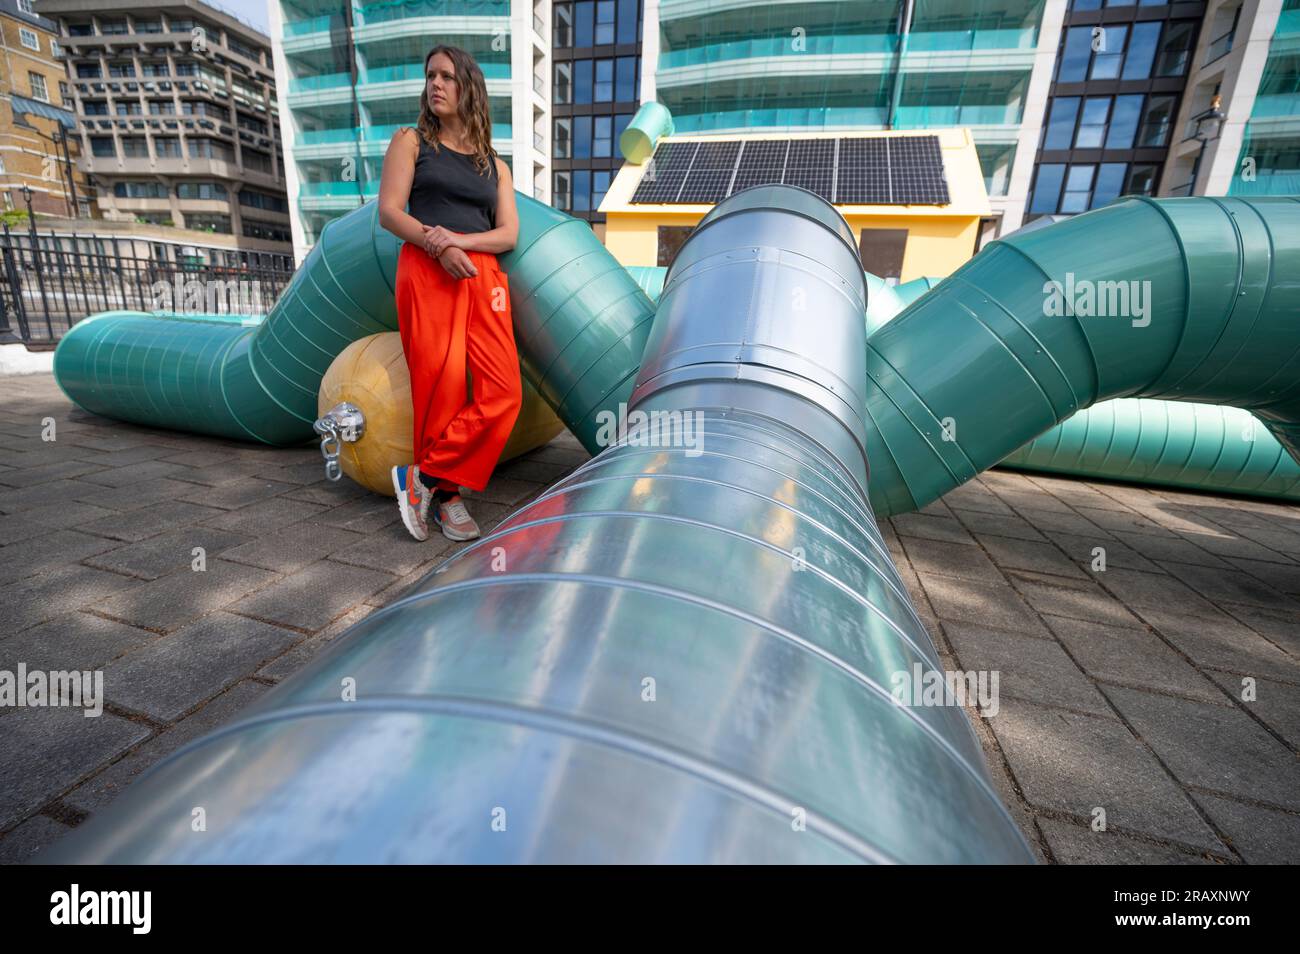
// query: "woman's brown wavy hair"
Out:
[472,106]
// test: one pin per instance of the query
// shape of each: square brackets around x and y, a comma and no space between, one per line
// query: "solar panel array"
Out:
[884,170]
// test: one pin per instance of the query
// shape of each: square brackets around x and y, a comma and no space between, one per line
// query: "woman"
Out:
[453,302]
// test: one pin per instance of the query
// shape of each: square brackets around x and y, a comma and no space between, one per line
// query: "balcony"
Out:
[1219,48]
[387,12]
[847,45]
[321,24]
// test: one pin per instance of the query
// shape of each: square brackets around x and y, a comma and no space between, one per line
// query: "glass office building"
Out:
[596,49]
[1116,90]
[350,73]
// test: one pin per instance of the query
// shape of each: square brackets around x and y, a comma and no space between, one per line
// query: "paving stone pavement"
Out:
[1147,640]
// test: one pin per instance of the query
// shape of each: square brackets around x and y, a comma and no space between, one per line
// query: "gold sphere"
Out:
[372,374]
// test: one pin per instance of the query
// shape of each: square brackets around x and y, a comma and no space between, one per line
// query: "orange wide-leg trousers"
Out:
[448,325]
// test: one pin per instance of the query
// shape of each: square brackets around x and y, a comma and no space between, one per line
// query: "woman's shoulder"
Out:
[407,136]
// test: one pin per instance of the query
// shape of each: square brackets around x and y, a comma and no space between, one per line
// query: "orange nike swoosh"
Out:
[411,495]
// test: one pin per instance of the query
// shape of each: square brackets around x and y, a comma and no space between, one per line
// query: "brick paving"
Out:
[1122,689]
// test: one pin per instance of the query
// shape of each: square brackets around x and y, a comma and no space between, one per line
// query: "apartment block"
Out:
[177,115]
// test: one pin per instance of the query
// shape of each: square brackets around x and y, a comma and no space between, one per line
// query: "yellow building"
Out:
[897,241]
[39,145]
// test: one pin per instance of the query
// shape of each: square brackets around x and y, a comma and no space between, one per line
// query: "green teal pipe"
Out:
[909,292]
[651,123]
[580,321]
[1169,443]
[1212,320]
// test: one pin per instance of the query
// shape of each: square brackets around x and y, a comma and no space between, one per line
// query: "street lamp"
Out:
[1209,125]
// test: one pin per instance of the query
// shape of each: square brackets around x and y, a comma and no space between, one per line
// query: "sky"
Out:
[253,11]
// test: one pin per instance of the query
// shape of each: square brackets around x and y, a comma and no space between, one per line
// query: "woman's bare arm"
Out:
[395,187]
[506,234]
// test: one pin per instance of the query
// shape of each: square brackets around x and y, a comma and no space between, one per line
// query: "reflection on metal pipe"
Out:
[684,652]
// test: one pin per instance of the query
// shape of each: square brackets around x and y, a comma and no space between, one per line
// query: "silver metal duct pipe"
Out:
[683,652]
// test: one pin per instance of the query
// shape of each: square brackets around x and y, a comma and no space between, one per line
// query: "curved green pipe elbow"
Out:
[1015,347]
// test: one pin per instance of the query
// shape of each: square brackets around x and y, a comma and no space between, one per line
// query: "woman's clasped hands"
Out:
[441,244]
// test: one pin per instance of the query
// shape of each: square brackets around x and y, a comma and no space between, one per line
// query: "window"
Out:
[95,108]
[629,27]
[187,68]
[1076,55]
[1060,126]
[207,222]
[625,87]
[210,149]
[1176,48]
[128,108]
[167,147]
[1047,188]
[135,147]
[3,171]
[584,23]
[563,138]
[604,88]
[1078,188]
[582,81]
[562,34]
[671,239]
[1092,124]
[1123,122]
[561,192]
[882,251]
[601,136]
[126,68]
[77,29]
[200,190]
[599,186]
[1110,182]
[1141,51]
[112,27]
[88,71]
[165,108]
[605,21]
[39,91]
[102,146]
[148,26]
[1108,51]
[1156,122]
[266,231]
[55,49]
[261,200]
[1142,180]
[29,39]
[563,83]
[26,7]
[140,190]
[581,190]
[581,137]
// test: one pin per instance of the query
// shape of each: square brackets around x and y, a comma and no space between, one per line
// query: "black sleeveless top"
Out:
[448,190]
